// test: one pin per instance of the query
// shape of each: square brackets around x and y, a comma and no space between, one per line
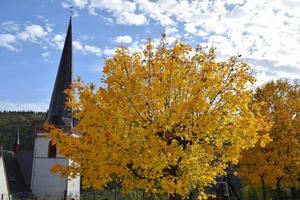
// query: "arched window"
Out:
[51,150]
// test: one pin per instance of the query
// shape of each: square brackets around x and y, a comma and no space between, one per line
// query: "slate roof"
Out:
[15,178]
[57,113]
[25,159]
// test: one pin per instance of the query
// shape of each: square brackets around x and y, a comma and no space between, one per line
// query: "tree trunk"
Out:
[263,187]
[278,189]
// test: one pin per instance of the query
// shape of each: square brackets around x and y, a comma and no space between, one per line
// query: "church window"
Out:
[51,150]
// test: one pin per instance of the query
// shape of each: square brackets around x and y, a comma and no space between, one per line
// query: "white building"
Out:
[28,172]
[44,184]
[4,188]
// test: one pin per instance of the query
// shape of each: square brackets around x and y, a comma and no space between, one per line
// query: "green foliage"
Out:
[117,194]
[25,121]
[250,193]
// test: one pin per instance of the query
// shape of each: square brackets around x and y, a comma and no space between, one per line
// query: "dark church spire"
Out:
[57,113]
[16,146]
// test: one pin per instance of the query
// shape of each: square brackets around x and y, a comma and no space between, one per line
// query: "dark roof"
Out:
[15,179]
[25,159]
[57,113]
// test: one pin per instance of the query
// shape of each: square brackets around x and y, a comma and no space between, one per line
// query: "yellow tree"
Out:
[169,119]
[278,164]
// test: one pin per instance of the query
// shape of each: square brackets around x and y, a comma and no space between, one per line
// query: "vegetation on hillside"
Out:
[25,122]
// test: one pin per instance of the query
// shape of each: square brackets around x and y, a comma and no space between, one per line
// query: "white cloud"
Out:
[202,33]
[44,37]
[108,19]
[157,10]
[49,27]
[109,52]
[125,39]
[15,34]
[257,29]
[131,18]
[45,54]
[136,46]
[77,45]
[80,3]
[7,41]
[86,49]
[124,11]
[92,49]
[170,30]
[235,1]
[58,41]
[84,37]
[32,33]
[133,47]
[190,28]
[10,26]
[13,106]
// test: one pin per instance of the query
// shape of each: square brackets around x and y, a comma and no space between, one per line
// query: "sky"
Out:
[265,32]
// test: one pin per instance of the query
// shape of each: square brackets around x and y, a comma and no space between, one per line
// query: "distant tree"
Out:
[167,120]
[278,164]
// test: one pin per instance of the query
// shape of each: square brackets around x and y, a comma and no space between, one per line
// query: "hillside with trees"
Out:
[10,121]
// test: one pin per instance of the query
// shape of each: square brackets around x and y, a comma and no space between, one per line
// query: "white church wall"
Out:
[44,183]
[4,193]
[41,143]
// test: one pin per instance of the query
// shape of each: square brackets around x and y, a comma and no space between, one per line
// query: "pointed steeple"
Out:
[16,146]
[57,113]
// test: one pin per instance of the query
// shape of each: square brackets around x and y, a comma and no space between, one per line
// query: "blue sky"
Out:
[266,33]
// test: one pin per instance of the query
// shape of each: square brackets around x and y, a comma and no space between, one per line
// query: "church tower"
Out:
[44,184]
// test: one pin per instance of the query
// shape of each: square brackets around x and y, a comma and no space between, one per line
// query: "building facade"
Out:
[45,184]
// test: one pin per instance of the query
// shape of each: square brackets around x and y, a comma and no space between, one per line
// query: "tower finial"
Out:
[71,10]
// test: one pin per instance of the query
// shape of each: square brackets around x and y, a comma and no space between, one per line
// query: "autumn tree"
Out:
[168,119]
[278,164]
